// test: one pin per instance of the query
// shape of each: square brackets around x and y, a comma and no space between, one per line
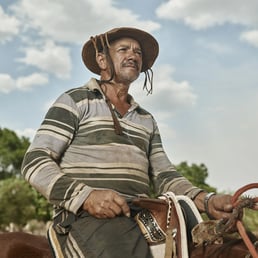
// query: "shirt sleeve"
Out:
[164,175]
[41,162]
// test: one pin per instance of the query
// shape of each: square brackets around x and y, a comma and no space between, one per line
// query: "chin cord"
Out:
[148,80]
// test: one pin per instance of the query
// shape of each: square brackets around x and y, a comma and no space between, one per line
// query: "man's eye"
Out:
[139,52]
[122,49]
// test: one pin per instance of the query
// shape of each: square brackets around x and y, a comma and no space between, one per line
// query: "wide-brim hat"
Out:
[149,46]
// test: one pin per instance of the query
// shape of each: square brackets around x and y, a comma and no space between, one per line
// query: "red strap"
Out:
[241,190]
[239,224]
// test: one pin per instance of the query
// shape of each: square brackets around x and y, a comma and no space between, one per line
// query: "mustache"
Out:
[131,63]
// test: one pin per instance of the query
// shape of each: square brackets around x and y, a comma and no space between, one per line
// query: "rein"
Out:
[234,223]
[252,204]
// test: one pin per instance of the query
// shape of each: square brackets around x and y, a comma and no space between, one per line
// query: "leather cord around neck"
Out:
[117,126]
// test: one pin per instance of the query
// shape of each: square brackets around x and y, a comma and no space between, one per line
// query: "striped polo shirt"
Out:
[76,150]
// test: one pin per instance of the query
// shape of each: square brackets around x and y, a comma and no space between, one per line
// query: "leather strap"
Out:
[239,224]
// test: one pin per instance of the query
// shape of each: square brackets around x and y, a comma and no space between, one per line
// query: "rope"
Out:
[170,244]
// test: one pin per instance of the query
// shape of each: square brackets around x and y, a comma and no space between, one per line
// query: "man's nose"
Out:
[132,54]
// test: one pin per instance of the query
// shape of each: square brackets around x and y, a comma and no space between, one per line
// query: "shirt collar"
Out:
[94,86]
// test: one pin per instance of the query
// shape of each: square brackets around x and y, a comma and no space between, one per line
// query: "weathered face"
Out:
[126,55]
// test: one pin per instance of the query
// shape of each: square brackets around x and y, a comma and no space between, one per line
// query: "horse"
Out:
[231,248]
[24,245]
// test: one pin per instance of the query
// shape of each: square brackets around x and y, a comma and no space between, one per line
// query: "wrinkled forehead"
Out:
[126,41]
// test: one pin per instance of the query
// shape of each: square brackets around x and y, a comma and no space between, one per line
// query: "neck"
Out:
[116,92]
[118,96]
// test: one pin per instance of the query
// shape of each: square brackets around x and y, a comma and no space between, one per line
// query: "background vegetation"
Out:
[19,202]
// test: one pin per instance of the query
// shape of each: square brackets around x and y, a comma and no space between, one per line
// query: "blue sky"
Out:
[205,96]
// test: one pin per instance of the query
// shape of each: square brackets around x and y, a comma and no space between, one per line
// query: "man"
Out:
[97,147]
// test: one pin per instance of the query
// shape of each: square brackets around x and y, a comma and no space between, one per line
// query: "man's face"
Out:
[126,55]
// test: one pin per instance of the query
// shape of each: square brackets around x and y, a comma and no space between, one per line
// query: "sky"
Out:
[205,96]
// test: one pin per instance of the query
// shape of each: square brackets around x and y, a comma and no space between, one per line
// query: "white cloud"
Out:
[28,132]
[49,58]
[47,25]
[71,21]
[27,82]
[169,98]
[251,37]
[216,47]
[9,26]
[9,84]
[169,95]
[202,14]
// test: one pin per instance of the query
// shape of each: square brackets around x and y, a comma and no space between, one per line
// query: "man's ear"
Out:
[101,61]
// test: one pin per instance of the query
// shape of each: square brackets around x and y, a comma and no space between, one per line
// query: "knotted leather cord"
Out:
[107,41]
[102,41]
[94,42]
[117,126]
[105,46]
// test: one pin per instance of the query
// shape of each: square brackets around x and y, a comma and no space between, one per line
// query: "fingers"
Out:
[115,206]
[120,201]
[220,206]
[110,209]
[106,204]
[228,207]
[221,215]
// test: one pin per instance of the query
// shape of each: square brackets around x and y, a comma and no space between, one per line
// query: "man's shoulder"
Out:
[143,111]
[86,91]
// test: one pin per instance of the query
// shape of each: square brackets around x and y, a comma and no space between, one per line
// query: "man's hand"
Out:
[106,204]
[219,205]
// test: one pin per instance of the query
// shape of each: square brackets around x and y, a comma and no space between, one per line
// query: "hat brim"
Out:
[149,47]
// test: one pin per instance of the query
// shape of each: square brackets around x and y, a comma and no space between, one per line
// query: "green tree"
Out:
[196,174]
[12,150]
[19,203]
[43,207]
[16,202]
